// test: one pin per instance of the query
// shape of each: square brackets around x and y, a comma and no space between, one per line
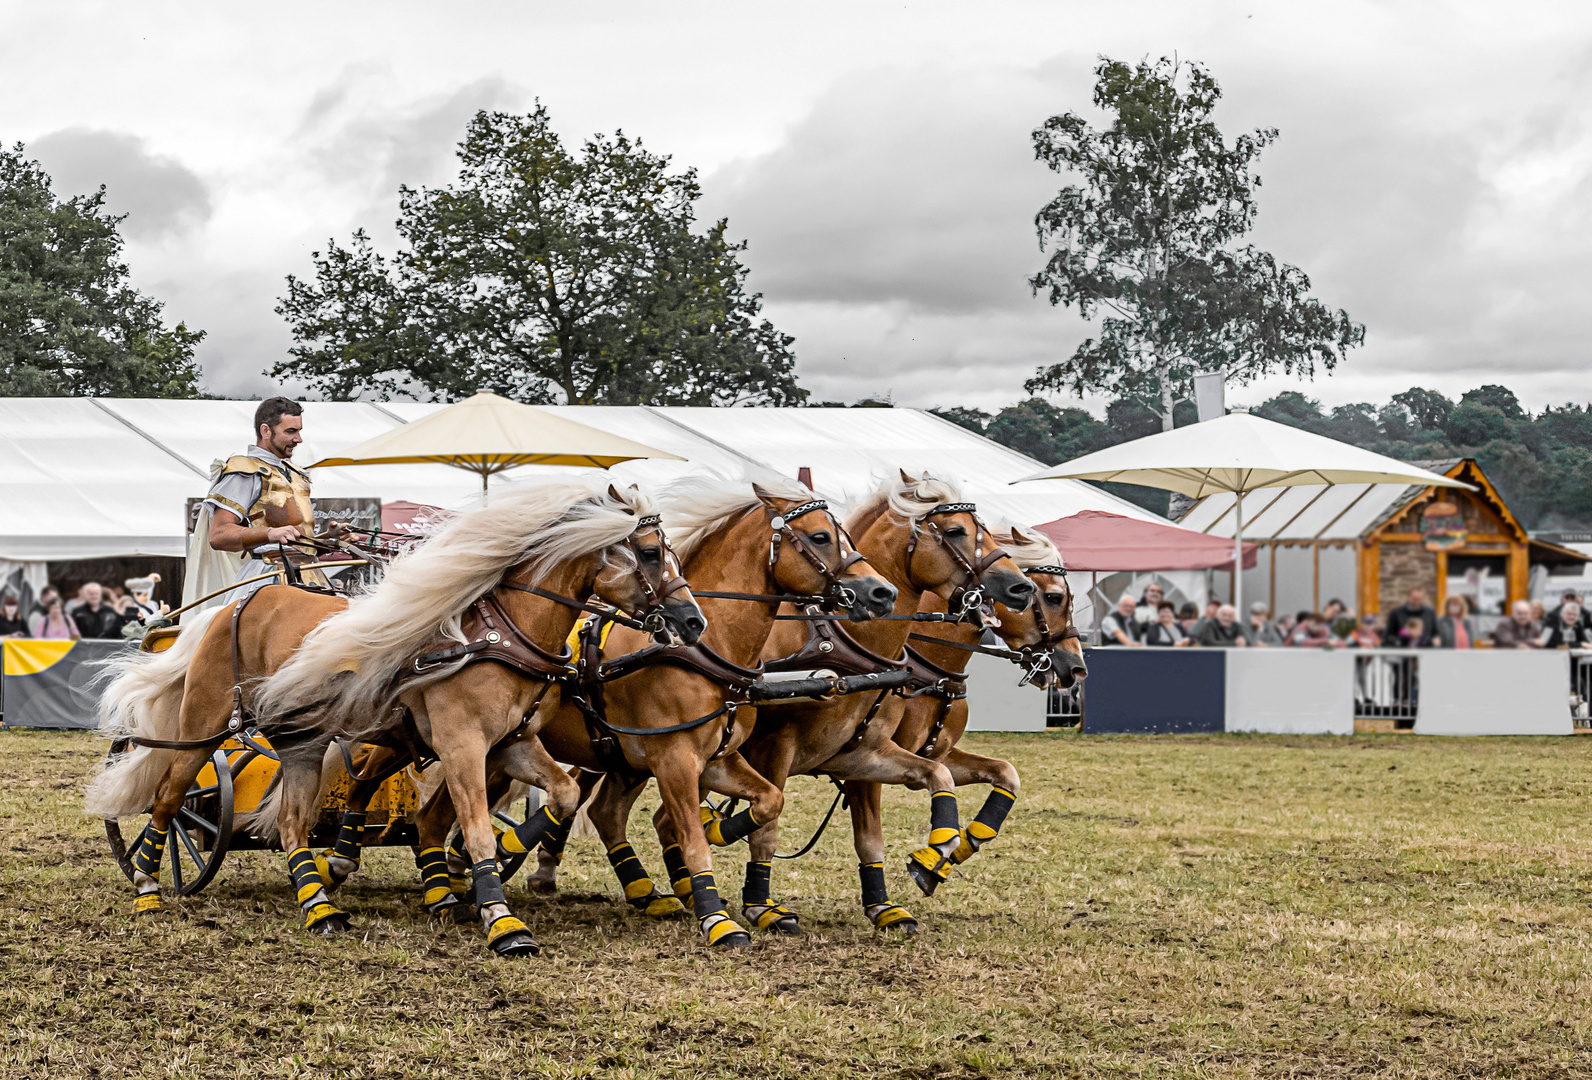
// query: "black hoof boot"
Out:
[928,867]
[508,936]
[892,917]
[775,918]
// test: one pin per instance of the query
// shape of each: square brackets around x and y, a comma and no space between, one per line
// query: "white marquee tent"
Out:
[90,478]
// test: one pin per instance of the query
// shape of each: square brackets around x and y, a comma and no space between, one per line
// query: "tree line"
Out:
[1541,464]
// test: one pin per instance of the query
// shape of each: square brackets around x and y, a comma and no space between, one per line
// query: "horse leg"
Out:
[609,811]
[461,745]
[865,800]
[151,845]
[299,780]
[734,777]
[551,853]
[679,777]
[342,858]
[441,893]
[890,764]
[1004,784]
[528,761]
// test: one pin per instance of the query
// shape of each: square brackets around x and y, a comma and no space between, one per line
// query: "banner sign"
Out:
[1442,527]
[362,515]
[52,684]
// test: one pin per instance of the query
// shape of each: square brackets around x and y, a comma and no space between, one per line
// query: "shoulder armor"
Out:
[246,465]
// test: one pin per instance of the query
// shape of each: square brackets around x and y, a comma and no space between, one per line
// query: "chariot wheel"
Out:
[510,866]
[201,833]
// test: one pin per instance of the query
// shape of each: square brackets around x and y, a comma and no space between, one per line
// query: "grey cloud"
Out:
[910,186]
[159,194]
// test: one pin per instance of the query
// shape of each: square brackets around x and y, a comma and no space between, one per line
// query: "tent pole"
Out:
[1238,555]
[1094,602]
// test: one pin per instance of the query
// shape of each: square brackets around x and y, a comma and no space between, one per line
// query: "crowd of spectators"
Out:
[1155,621]
[96,612]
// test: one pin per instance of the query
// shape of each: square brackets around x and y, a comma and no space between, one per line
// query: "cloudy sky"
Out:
[1432,175]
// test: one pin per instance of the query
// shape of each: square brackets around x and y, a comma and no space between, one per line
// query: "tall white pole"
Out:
[1238,556]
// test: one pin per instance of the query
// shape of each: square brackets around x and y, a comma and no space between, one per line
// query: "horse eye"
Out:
[956,531]
[1054,598]
[819,537]
[651,554]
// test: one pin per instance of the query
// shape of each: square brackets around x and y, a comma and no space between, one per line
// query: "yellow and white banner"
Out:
[50,684]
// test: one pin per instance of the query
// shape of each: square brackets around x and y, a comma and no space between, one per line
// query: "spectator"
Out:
[1286,625]
[1519,631]
[1569,632]
[1339,619]
[55,623]
[1455,628]
[1539,614]
[1120,627]
[1261,631]
[1414,607]
[1211,607]
[1188,616]
[1569,596]
[141,592]
[1164,630]
[1311,632]
[42,604]
[1414,634]
[1223,631]
[1367,634]
[12,624]
[94,617]
[1149,609]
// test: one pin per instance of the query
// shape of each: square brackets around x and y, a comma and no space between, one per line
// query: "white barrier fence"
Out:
[1321,691]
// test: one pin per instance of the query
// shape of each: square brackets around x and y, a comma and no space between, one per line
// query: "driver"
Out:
[260,504]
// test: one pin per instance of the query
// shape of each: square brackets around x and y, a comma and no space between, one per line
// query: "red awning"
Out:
[1096,540]
[401,516]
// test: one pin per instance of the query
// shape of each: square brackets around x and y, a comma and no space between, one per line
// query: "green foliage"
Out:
[1148,237]
[548,276]
[70,324]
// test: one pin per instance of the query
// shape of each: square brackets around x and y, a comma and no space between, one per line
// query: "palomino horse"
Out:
[916,534]
[745,548]
[932,723]
[503,582]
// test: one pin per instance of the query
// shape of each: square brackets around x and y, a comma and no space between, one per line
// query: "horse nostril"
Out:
[882,593]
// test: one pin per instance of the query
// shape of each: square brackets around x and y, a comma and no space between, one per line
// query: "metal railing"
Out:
[1387,687]
[1064,708]
[1581,689]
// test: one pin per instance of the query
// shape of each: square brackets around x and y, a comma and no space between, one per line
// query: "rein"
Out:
[968,597]
[836,593]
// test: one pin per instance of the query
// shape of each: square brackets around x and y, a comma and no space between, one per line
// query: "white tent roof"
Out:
[83,478]
[1240,452]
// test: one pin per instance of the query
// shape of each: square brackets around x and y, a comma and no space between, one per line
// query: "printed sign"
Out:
[359,514]
[1442,527]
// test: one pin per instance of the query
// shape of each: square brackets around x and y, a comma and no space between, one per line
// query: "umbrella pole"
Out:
[1238,557]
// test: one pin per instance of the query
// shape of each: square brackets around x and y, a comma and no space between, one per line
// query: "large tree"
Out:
[70,324]
[546,275]
[1149,235]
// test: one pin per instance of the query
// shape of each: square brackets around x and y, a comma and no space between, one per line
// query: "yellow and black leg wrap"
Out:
[524,837]
[758,908]
[309,886]
[986,826]
[342,858]
[718,929]
[434,881]
[931,865]
[557,838]
[876,902]
[722,831]
[679,874]
[640,892]
[461,854]
[505,934]
[151,846]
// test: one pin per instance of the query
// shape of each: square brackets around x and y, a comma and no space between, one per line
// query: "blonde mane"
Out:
[907,499]
[349,659]
[696,507]
[1027,547]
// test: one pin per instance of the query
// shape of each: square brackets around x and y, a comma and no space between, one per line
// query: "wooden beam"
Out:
[1518,573]
[1442,581]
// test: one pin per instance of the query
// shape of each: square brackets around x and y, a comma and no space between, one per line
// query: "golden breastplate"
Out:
[283,500]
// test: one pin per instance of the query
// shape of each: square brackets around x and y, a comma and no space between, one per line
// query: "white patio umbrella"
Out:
[1239,453]
[487,434]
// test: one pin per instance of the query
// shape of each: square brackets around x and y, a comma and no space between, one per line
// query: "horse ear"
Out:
[613,493]
[907,478]
[766,495]
[1021,535]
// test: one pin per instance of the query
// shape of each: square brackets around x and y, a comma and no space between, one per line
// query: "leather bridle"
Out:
[836,594]
[1038,659]
[967,598]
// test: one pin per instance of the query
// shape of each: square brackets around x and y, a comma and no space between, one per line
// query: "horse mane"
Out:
[907,499]
[697,507]
[1027,547]
[426,591]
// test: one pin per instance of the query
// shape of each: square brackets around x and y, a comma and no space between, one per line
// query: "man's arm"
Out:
[229,533]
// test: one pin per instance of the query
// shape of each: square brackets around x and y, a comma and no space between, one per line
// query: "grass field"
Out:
[1178,906]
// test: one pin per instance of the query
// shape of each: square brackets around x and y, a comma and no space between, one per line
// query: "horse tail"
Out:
[143,697]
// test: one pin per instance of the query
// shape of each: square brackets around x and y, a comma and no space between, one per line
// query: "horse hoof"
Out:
[925,879]
[541,886]
[664,907]
[893,917]
[775,918]
[147,904]
[737,939]
[332,924]
[516,943]
[463,913]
